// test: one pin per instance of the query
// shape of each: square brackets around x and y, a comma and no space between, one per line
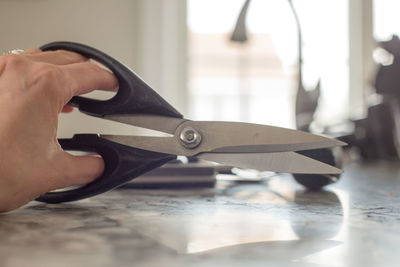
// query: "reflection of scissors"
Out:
[126,157]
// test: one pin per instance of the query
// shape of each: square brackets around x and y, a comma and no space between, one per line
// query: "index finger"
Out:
[57,57]
[85,77]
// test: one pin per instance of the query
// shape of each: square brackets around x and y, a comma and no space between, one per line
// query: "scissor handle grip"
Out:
[133,96]
[122,164]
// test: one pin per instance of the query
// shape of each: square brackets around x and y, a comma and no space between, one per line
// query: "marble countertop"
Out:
[355,222]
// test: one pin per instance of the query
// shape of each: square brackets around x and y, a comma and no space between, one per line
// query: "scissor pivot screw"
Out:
[189,137]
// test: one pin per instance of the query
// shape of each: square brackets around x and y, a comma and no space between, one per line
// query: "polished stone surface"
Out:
[355,222]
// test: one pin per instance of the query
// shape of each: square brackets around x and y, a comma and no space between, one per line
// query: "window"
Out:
[386,19]
[257,81]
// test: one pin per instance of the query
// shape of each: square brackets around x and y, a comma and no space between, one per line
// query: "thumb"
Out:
[79,170]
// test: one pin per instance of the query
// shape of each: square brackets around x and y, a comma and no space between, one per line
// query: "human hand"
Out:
[34,89]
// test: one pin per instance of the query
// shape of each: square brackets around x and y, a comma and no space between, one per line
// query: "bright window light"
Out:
[257,81]
[386,19]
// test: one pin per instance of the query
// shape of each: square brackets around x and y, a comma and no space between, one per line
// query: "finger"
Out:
[84,169]
[77,170]
[58,57]
[67,109]
[85,77]
[32,50]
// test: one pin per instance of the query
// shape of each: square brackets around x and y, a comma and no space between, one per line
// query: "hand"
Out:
[34,89]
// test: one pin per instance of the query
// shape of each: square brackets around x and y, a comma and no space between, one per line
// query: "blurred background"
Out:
[183,50]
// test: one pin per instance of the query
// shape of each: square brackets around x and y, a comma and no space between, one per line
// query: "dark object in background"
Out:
[240,33]
[388,77]
[377,136]
[306,104]
[306,101]
[374,136]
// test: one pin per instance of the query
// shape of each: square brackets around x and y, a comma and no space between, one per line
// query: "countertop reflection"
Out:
[355,222]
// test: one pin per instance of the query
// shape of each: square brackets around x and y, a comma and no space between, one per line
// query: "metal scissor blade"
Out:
[229,137]
[287,162]
[168,145]
[225,136]
[254,138]
[154,122]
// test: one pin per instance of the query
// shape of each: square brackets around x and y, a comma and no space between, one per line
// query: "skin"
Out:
[34,89]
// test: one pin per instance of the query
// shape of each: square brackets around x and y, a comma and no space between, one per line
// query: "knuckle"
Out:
[103,72]
[12,60]
[46,73]
[46,79]
[33,50]
[69,56]
[94,67]
[13,64]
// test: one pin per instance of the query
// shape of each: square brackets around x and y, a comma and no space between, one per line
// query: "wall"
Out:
[147,35]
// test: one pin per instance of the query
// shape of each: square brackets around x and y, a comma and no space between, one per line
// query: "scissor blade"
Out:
[287,162]
[154,122]
[254,138]
[168,145]
[225,136]
[229,137]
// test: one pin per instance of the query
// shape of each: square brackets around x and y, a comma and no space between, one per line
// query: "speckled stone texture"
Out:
[355,222]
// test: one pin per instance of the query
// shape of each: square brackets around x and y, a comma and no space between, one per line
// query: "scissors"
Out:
[236,144]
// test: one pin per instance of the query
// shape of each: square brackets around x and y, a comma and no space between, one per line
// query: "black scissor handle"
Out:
[133,96]
[122,164]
